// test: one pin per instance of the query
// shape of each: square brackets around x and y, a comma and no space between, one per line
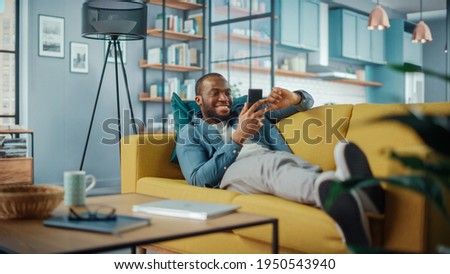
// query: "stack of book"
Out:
[13,147]
[177,54]
[186,90]
[193,24]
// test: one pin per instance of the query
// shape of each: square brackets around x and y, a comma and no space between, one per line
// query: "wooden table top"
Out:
[31,236]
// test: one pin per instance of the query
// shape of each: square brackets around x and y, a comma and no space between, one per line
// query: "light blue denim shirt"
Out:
[203,155]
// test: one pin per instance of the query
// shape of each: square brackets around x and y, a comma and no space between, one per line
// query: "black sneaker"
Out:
[346,211]
[351,162]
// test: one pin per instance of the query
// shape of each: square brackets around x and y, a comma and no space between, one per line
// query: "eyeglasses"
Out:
[92,213]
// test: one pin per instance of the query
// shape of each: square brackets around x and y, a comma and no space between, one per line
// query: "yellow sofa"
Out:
[410,223]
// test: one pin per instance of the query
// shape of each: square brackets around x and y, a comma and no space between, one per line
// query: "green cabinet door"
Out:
[300,25]
[377,40]
[349,34]
[351,41]
[309,24]
[363,41]
[290,21]
[412,52]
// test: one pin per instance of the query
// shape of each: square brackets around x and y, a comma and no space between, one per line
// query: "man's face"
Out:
[215,101]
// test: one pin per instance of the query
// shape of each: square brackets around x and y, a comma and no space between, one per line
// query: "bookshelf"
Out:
[17,170]
[175,47]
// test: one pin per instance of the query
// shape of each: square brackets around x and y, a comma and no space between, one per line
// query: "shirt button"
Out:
[234,151]
[224,167]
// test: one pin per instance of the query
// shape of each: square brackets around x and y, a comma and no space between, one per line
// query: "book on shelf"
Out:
[198,18]
[185,209]
[173,22]
[154,56]
[120,224]
[13,147]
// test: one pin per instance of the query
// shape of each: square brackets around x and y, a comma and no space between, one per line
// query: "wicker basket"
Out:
[29,201]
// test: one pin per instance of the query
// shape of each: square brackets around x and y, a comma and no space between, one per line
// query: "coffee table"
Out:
[31,236]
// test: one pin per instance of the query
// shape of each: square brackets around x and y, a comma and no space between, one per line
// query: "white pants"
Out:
[273,172]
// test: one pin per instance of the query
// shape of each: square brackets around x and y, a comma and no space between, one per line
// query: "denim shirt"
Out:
[203,155]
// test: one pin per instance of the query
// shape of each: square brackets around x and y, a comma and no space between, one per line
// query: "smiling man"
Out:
[239,149]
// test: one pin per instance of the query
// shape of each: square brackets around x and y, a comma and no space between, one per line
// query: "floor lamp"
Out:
[113,21]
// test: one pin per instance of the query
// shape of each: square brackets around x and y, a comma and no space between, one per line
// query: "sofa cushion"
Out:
[313,134]
[180,189]
[301,227]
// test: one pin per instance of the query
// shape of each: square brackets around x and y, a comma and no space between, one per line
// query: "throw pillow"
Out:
[184,110]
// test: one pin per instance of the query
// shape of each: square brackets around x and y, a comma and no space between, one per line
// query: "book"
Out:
[120,224]
[185,209]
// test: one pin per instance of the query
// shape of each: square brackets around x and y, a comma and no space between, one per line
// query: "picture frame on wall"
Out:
[79,57]
[123,47]
[51,36]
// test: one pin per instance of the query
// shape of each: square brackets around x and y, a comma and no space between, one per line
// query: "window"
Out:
[9,110]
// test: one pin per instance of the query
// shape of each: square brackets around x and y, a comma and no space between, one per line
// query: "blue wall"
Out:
[435,59]
[60,102]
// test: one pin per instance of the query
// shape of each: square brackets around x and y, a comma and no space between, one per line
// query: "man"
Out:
[242,151]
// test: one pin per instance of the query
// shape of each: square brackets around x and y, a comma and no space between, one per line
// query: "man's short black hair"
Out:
[199,83]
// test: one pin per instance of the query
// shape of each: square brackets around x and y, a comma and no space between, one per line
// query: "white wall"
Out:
[324,92]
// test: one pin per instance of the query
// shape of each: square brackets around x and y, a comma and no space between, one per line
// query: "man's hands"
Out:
[250,118]
[281,98]
[250,121]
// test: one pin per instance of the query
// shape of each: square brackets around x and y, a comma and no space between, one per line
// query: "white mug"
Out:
[75,187]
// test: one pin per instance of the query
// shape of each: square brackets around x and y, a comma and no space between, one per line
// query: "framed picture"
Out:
[123,47]
[79,58]
[51,36]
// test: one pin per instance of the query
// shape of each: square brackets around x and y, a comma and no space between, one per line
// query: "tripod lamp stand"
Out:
[113,21]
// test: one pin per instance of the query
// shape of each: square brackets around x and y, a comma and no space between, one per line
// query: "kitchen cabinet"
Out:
[412,52]
[396,85]
[351,41]
[300,25]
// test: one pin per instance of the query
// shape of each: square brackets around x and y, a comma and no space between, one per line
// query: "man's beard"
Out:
[214,116]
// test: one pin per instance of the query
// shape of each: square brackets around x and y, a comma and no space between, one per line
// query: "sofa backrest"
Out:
[378,138]
[313,134]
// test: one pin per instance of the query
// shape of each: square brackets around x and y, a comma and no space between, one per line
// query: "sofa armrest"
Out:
[147,155]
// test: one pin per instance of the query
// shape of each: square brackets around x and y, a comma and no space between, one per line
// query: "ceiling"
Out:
[413,6]
[396,9]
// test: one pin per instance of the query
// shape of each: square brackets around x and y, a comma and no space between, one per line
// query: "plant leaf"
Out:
[412,68]
[424,185]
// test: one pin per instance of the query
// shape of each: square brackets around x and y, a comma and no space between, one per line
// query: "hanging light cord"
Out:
[420,10]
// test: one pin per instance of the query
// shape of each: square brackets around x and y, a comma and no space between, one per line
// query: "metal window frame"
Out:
[249,18]
[16,115]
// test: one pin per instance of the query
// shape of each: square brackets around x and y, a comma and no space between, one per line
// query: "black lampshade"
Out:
[114,19]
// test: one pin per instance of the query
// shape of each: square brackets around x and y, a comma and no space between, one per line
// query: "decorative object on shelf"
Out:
[29,201]
[79,61]
[114,21]
[51,36]
[421,32]
[378,19]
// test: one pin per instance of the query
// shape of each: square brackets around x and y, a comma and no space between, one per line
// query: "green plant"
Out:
[429,177]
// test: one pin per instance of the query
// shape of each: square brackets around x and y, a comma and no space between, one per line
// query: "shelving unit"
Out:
[243,39]
[168,37]
[279,72]
[17,170]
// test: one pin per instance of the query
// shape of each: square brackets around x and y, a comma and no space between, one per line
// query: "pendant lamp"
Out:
[378,19]
[421,32]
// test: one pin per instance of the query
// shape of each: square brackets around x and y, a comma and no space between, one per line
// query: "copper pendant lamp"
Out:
[421,32]
[378,19]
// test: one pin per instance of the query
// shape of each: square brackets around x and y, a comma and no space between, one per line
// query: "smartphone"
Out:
[253,96]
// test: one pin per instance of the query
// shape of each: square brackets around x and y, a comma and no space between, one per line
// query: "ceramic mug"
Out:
[75,187]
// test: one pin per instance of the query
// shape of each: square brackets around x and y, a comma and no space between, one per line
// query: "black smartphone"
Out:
[253,96]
